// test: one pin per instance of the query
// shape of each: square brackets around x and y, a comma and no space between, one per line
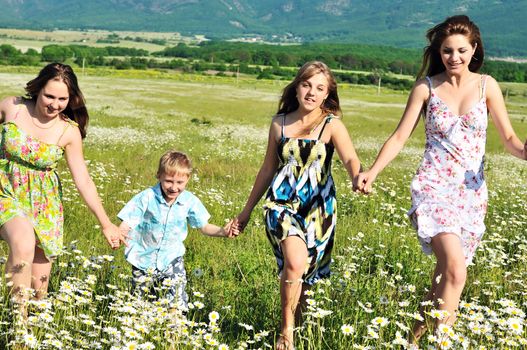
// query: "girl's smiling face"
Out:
[52,99]
[456,53]
[312,92]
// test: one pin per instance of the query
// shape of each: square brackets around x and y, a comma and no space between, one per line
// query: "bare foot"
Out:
[285,342]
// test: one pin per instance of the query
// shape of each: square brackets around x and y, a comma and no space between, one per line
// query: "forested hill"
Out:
[400,23]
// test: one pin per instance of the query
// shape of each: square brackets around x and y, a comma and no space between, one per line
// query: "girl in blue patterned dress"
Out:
[300,206]
[449,193]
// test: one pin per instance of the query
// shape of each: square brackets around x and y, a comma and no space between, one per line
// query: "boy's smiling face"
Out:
[172,185]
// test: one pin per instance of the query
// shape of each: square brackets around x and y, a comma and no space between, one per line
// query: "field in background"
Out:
[24,39]
[380,274]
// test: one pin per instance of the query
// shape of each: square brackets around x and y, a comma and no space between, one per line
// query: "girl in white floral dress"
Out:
[449,194]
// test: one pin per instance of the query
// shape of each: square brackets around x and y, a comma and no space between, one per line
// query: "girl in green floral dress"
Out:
[35,133]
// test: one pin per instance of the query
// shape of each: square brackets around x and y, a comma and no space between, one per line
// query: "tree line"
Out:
[263,60]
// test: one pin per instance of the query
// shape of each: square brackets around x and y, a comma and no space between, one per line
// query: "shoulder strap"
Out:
[69,122]
[283,125]
[326,121]
[483,85]
[429,82]
[18,107]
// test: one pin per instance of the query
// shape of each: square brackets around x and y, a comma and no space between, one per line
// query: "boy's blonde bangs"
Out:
[174,162]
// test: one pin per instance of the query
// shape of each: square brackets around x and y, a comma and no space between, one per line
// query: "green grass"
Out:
[379,270]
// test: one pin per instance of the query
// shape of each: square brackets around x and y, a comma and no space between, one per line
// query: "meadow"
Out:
[24,39]
[379,272]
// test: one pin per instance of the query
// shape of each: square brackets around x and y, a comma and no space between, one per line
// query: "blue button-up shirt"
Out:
[158,229]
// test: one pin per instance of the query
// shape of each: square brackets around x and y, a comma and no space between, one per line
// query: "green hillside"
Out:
[384,22]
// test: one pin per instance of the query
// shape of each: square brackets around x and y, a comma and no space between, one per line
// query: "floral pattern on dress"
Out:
[30,187]
[449,193]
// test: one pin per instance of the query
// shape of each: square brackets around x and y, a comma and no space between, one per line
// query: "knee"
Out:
[21,240]
[295,266]
[23,251]
[456,274]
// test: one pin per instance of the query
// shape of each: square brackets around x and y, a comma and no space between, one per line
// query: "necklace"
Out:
[44,127]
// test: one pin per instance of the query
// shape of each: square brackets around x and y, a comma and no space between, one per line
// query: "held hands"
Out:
[238,224]
[364,181]
[231,230]
[115,235]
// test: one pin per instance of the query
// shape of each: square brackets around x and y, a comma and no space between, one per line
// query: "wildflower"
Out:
[437,314]
[246,326]
[30,340]
[107,257]
[214,317]
[402,326]
[131,346]
[379,321]
[399,340]
[417,316]
[223,347]
[372,333]
[445,343]
[57,343]
[347,329]
[515,325]
[311,302]
[88,322]
[443,328]
[199,295]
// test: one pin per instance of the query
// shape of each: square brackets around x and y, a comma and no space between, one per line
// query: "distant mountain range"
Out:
[400,23]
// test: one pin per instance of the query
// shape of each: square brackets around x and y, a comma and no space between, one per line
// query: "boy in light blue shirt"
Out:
[155,221]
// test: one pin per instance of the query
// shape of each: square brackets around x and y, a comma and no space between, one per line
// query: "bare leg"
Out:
[302,305]
[295,259]
[448,280]
[420,327]
[41,270]
[20,238]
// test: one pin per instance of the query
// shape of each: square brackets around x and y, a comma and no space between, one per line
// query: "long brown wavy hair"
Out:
[76,108]
[460,24]
[289,103]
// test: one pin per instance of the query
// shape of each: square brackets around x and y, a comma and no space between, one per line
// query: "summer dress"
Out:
[301,201]
[30,186]
[449,193]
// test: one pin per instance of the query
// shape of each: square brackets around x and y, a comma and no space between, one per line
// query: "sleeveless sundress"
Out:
[449,193]
[30,186]
[301,201]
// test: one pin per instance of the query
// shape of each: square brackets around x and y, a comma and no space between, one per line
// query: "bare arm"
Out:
[216,231]
[263,178]
[391,148]
[86,187]
[8,108]
[498,112]
[347,154]
[3,108]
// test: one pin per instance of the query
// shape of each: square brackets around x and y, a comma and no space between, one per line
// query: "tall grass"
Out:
[379,272]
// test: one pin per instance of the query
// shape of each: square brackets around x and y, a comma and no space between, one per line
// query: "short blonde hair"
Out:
[174,162]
